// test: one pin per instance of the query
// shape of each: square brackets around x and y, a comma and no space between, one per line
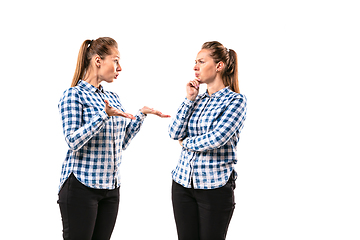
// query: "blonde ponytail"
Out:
[232,71]
[81,63]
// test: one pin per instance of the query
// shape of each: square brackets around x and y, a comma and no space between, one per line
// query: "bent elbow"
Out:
[172,136]
[175,136]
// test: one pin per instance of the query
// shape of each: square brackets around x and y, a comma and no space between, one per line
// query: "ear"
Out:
[219,66]
[97,61]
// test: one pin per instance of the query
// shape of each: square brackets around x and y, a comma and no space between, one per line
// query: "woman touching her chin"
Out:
[208,128]
[97,130]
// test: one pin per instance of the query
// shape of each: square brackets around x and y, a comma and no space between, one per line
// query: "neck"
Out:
[215,86]
[92,78]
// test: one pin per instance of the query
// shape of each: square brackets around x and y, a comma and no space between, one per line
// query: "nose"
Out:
[118,69]
[196,67]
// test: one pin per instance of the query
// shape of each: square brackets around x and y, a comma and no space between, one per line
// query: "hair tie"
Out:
[91,41]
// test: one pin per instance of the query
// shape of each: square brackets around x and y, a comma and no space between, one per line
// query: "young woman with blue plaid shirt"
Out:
[208,128]
[97,130]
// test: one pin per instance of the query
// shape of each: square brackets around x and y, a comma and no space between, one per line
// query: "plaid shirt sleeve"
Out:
[231,120]
[177,129]
[133,128]
[76,134]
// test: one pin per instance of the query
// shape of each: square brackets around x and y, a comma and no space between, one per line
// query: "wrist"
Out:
[143,112]
[191,98]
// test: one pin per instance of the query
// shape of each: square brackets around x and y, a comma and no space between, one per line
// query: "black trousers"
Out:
[87,214]
[203,214]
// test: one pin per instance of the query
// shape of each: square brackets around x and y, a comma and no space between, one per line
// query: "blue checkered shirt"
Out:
[95,140]
[210,127]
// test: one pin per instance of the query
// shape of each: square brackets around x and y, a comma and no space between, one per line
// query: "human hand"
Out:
[192,89]
[147,110]
[111,111]
[181,141]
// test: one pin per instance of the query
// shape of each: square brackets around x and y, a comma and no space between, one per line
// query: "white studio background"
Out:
[299,150]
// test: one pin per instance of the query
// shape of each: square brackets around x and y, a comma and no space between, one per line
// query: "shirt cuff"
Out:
[184,142]
[188,102]
[140,116]
[104,115]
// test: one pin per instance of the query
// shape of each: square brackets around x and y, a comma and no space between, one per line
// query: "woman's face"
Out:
[205,67]
[110,66]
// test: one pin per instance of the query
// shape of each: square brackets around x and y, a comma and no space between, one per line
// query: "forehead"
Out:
[204,53]
[115,53]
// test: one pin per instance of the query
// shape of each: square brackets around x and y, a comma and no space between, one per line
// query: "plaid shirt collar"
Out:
[217,94]
[88,87]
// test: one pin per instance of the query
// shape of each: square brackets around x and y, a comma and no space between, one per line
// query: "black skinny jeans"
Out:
[203,214]
[87,213]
